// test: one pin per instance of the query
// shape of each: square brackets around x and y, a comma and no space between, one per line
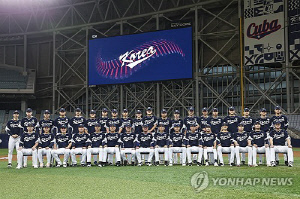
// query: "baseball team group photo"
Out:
[149,99]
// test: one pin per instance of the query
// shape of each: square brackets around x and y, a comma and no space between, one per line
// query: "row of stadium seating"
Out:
[11,79]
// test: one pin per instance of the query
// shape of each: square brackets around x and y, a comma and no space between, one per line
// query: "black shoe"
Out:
[99,163]
[68,165]
[132,163]
[166,163]
[221,164]
[125,163]
[243,162]
[88,164]
[83,165]
[74,165]
[95,163]
[118,164]
[199,164]
[286,163]
[232,164]
[9,165]
[277,162]
[189,164]
[104,164]
[156,163]
[194,161]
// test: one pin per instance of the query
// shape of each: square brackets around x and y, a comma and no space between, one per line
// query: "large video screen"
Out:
[152,56]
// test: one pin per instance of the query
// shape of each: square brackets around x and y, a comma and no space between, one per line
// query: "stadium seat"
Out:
[11,79]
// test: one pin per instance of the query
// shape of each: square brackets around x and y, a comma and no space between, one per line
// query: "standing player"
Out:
[111,144]
[95,146]
[29,119]
[103,119]
[46,142]
[225,144]
[77,120]
[62,146]
[194,144]
[62,120]
[145,145]
[204,119]
[150,120]
[165,121]
[278,138]
[191,119]
[242,144]
[138,122]
[265,125]
[14,131]
[259,141]
[209,145]
[160,142]
[46,121]
[232,120]
[215,122]
[177,121]
[114,120]
[125,120]
[91,122]
[79,145]
[177,144]
[128,144]
[28,146]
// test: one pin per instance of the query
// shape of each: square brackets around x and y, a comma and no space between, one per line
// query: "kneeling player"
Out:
[79,144]
[209,145]
[95,146]
[28,146]
[46,143]
[127,141]
[278,138]
[144,145]
[194,145]
[177,145]
[259,142]
[62,146]
[242,145]
[161,145]
[111,145]
[225,139]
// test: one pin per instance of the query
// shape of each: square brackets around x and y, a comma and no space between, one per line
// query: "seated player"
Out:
[177,144]
[259,141]
[278,139]
[145,145]
[79,145]
[209,145]
[62,146]
[111,145]
[128,142]
[242,145]
[95,145]
[46,142]
[160,143]
[28,146]
[194,144]
[225,144]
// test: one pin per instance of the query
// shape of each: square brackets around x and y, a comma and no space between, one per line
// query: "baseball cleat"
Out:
[156,163]
[166,163]
[206,164]
[132,163]
[195,161]
[277,162]
[118,164]
[99,165]
[18,167]
[199,164]
[231,164]
[74,165]
[243,162]
[125,163]
[260,162]
[216,164]
[25,166]
[9,165]
[189,164]
[286,163]
[41,165]
[95,163]
[221,164]
[64,165]
[58,165]
[89,165]
[83,165]
[290,164]
[139,164]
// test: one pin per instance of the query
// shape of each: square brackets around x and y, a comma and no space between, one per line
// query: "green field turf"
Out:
[141,182]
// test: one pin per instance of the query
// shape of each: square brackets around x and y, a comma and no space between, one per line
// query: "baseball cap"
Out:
[161,125]
[224,124]
[112,125]
[114,111]
[263,110]
[92,112]
[97,124]
[231,108]
[138,112]
[30,125]
[215,110]
[62,110]
[163,111]
[241,124]
[207,126]
[257,122]
[16,112]
[104,110]
[63,126]
[128,125]
[276,122]
[149,108]
[246,109]
[204,109]
[191,108]
[193,124]
[145,125]
[28,110]
[46,125]
[277,108]
[176,125]
[176,112]
[47,112]
[77,110]
[80,125]
[125,110]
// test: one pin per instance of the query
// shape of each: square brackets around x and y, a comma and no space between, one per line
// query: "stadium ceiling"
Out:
[66,24]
